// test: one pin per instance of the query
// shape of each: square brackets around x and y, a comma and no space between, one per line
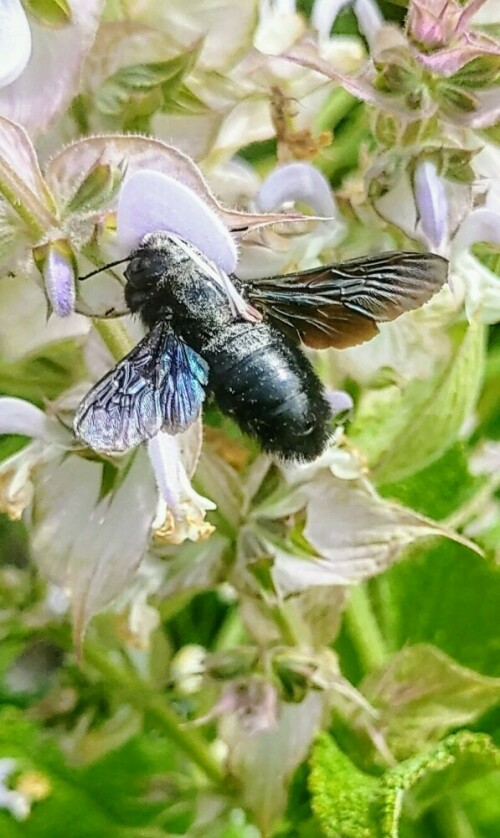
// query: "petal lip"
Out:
[297,182]
[15,41]
[151,201]
[21,417]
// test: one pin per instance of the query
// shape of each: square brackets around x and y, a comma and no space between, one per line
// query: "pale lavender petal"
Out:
[324,14]
[151,201]
[165,456]
[482,225]
[59,280]
[20,417]
[297,182]
[339,401]
[369,18]
[432,203]
[15,41]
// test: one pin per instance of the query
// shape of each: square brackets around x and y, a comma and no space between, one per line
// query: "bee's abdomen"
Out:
[270,389]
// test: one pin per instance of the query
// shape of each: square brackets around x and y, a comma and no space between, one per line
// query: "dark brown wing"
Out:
[340,305]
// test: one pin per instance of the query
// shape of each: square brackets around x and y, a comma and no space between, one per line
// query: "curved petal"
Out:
[15,41]
[151,201]
[480,226]
[297,182]
[432,203]
[20,417]
[51,77]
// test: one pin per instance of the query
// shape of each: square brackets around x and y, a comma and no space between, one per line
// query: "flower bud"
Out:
[57,264]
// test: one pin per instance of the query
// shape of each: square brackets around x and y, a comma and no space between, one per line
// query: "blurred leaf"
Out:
[51,12]
[438,489]
[446,596]
[351,804]
[136,92]
[422,693]
[44,376]
[136,785]
[428,412]
[481,803]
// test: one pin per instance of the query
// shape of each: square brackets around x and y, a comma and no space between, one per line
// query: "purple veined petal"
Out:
[15,41]
[482,225]
[59,278]
[432,203]
[324,14]
[297,182]
[151,201]
[20,417]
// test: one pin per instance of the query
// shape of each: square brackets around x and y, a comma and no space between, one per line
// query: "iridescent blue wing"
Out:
[159,385]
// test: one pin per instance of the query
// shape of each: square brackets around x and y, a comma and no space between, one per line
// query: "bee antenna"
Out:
[104,268]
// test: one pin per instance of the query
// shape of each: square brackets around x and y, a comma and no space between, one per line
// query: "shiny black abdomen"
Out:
[269,387]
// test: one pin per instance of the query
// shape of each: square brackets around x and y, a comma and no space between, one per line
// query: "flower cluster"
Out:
[287,146]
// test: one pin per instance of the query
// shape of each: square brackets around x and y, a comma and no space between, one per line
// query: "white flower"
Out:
[13,801]
[15,41]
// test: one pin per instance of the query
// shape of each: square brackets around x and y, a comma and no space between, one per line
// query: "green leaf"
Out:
[440,488]
[352,804]
[99,186]
[54,13]
[342,795]
[455,100]
[446,596]
[422,693]
[481,72]
[428,412]
[43,376]
[140,90]
[137,785]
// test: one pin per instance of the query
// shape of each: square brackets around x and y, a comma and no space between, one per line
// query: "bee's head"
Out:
[150,261]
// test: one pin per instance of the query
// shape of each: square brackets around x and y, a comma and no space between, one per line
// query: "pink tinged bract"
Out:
[151,201]
[297,182]
[15,41]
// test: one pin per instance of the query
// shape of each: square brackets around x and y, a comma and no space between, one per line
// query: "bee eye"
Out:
[134,269]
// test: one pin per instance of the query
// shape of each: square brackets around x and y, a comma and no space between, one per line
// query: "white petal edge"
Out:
[15,41]
[20,417]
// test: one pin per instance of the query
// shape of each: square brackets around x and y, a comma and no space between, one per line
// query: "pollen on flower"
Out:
[34,785]
[189,525]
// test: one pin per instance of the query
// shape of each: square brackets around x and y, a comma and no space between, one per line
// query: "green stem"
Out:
[336,107]
[154,705]
[364,631]
[232,633]
[15,200]
[115,336]
[344,151]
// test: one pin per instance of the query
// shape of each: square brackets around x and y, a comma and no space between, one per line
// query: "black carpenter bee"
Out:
[252,364]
